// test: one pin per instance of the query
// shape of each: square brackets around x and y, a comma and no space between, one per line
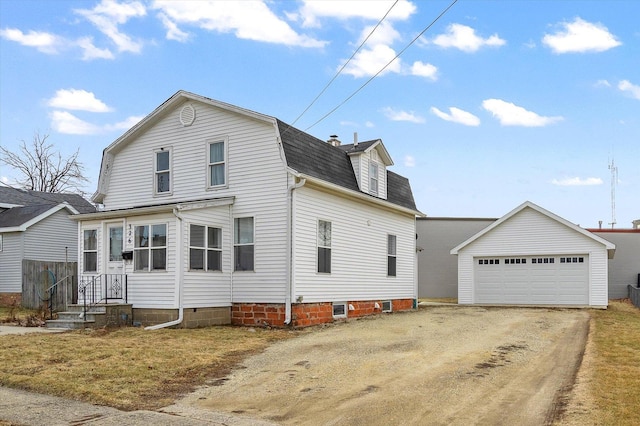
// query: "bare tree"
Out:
[43,169]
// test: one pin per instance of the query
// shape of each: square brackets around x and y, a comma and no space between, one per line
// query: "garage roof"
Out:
[528,204]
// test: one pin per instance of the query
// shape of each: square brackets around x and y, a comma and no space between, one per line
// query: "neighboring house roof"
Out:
[528,204]
[24,197]
[25,207]
[21,218]
[304,153]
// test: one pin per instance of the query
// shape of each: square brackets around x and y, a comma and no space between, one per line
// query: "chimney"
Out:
[599,224]
[333,140]
[355,139]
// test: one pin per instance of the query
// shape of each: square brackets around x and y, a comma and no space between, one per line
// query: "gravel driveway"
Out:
[439,366]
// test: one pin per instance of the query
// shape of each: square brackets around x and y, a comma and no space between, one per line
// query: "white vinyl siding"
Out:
[530,233]
[54,239]
[359,247]
[212,288]
[260,192]
[11,262]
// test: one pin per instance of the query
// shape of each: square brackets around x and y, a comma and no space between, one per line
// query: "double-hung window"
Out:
[391,255]
[90,250]
[373,178]
[150,248]
[324,246]
[205,248]
[217,164]
[162,173]
[243,246]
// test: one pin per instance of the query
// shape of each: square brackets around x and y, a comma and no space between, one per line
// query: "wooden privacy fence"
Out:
[39,276]
[634,295]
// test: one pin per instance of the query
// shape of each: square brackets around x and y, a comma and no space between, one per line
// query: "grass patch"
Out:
[127,368]
[616,367]
[17,315]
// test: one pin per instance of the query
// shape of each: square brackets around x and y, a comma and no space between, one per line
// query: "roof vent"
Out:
[333,140]
[187,115]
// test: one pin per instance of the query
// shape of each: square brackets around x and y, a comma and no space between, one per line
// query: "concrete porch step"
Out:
[70,324]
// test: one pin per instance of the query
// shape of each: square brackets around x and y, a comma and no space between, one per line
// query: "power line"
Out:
[345,64]
[385,67]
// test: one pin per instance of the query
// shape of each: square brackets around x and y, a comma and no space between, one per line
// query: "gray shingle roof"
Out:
[27,198]
[34,203]
[314,157]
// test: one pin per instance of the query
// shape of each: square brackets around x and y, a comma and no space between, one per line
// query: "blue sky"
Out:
[496,103]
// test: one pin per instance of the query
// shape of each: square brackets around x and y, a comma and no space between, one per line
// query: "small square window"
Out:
[575,260]
[387,306]
[518,261]
[479,261]
[581,259]
[562,260]
[497,261]
[339,310]
[524,260]
[552,260]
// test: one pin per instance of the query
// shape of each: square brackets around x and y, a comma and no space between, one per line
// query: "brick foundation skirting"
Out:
[306,314]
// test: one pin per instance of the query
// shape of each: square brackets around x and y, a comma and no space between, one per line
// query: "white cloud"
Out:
[457,115]
[384,34]
[632,89]
[369,61]
[409,161]
[75,99]
[580,36]
[464,38]
[510,114]
[312,11]
[577,181]
[108,15]
[602,83]
[67,123]
[92,52]
[369,124]
[250,20]
[126,124]
[173,32]
[426,70]
[394,115]
[44,42]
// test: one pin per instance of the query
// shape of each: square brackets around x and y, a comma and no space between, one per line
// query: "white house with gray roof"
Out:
[218,214]
[35,226]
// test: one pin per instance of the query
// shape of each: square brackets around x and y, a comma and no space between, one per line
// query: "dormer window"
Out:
[163,171]
[373,178]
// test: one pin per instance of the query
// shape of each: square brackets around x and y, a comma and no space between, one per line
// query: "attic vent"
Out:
[187,115]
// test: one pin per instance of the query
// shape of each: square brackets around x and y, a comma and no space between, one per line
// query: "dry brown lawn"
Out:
[131,368]
[127,368]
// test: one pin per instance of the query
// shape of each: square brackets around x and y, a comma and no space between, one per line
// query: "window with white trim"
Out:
[373,178]
[216,164]
[324,246]
[90,250]
[162,174]
[150,248]
[339,310]
[205,248]
[391,255]
[243,244]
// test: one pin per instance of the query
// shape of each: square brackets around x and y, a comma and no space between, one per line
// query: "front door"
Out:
[115,265]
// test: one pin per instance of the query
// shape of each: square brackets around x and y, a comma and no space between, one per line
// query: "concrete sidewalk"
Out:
[26,408]
[16,329]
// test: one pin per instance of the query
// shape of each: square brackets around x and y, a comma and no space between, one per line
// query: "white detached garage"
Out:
[530,256]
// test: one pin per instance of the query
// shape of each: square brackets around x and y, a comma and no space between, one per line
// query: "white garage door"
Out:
[529,280]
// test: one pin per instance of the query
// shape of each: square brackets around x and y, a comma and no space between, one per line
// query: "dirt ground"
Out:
[441,365]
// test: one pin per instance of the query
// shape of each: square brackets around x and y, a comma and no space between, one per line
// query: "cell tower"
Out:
[614,180]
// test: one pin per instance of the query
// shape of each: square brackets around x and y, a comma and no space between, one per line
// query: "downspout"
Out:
[179,276]
[232,268]
[289,296]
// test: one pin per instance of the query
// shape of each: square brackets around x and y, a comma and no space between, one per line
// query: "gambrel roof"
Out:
[304,154]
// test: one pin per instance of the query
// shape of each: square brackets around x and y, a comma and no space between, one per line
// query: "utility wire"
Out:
[385,67]
[345,64]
